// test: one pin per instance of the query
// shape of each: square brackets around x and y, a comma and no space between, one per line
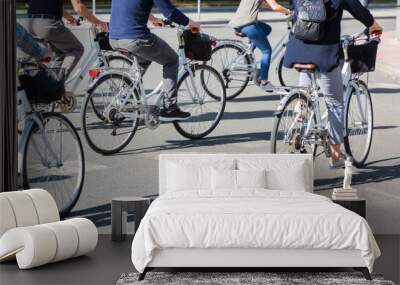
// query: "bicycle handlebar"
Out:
[168,23]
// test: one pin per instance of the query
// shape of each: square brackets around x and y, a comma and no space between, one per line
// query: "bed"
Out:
[246,211]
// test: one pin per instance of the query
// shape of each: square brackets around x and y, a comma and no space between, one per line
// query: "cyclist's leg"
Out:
[257,33]
[331,85]
[153,48]
[60,37]
[131,46]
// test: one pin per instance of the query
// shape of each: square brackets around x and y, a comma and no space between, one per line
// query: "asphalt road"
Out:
[245,128]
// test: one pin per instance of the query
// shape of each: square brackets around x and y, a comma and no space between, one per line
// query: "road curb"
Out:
[390,70]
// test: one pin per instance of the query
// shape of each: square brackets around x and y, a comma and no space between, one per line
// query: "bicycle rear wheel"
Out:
[221,59]
[359,124]
[53,160]
[288,134]
[107,126]
[193,97]
[287,76]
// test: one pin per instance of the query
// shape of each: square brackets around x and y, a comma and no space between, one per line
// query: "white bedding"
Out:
[250,219]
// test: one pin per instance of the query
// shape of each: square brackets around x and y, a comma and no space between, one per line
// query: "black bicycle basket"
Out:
[363,57]
[103,40]
[197,46]
[43,85]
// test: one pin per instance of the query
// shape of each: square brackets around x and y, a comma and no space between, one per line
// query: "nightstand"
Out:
[121,205]
[357,206]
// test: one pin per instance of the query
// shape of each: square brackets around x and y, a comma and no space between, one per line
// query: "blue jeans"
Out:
[258,33]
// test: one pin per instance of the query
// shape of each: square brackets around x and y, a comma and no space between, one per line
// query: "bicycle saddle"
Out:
[239,34]
[305,66]
[122,50]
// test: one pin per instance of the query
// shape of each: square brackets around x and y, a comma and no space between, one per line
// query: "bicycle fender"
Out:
[237,43]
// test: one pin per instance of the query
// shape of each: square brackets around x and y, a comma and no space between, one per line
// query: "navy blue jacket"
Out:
[326,52]
[129,17]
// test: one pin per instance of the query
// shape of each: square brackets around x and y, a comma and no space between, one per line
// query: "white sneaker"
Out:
[269,87]
[336,164]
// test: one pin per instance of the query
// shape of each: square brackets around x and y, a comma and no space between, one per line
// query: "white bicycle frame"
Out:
[136,76]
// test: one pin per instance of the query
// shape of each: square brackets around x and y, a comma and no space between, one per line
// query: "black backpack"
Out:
[42,86]
[310,20]
[197,46]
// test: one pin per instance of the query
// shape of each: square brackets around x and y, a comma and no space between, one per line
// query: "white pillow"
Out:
[281,174]
[227,179]
[186,176]
[223,179]
[183,177]
[251,179]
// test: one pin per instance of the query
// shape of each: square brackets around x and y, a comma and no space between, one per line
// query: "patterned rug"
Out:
[244,278]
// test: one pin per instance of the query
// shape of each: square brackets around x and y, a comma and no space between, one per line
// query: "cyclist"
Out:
[245,22]
[129,31]
[324,54]
[45,21]
[28,45]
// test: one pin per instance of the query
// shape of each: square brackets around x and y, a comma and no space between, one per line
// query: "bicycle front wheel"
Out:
[359,124]
[109,118]
[222,59]
[289,131]
[53,160]
[194,97]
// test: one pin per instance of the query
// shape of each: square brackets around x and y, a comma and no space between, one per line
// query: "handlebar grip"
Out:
[169,23]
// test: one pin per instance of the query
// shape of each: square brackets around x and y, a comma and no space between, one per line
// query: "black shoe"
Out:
[173,114]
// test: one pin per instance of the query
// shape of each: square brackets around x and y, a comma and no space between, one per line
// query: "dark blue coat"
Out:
[129,17]
[325,53]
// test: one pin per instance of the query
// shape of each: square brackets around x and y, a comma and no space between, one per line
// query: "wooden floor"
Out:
[106,264]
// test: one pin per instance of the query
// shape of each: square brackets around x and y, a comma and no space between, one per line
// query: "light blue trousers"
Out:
[331,84]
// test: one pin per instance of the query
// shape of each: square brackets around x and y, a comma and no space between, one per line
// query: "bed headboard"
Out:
[284,160]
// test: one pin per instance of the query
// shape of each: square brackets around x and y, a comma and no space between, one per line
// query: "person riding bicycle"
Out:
[45,21]
[129,31]
[245,22]
[28,45]
[324,55]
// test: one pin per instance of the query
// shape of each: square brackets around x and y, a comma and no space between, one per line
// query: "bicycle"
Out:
[300,127]
[237,63]
[117,100]
[50,152]
[99,55]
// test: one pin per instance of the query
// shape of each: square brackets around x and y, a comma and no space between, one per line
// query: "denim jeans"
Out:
[153,48]
[258,33]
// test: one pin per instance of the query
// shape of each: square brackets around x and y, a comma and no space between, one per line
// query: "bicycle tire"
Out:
[95,147]
[179,125]
[278,118]
[248,60]
[360,162]
[282,74]
[64,208]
